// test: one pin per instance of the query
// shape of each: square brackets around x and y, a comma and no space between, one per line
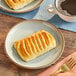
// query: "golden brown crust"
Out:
[35,45]
[17,4]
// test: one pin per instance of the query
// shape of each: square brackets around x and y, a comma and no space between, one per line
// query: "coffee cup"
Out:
[53,8]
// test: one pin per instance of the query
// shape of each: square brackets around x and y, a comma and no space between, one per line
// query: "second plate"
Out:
[27,8]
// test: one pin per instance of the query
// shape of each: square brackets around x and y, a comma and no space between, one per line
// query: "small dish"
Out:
[27,8]
[26,28]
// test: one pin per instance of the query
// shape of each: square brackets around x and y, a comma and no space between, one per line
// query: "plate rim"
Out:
[2,8]
[40,67]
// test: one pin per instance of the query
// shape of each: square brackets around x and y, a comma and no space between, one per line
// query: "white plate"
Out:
[27,8]
[26,28]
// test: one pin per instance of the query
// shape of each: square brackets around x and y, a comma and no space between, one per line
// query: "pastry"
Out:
[17,4]
[35,45]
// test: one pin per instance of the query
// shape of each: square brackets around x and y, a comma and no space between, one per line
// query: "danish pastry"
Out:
[35,45]
[17,4]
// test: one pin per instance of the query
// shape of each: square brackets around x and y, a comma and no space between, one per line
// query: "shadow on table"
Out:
[28,15]
[56,20]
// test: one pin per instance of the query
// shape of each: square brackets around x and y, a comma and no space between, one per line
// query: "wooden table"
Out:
[7,68]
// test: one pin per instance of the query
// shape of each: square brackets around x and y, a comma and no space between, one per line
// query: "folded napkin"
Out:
[43,14]
[52,69]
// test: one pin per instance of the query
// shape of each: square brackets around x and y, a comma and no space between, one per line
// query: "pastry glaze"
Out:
[17,4]
[35,45]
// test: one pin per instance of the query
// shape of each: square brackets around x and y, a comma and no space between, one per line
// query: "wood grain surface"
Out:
[7,68]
